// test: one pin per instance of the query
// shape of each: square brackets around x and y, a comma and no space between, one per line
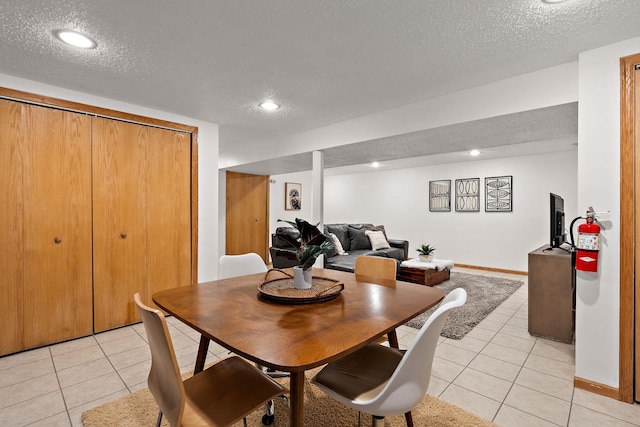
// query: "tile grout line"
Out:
[64,401]
[519,371]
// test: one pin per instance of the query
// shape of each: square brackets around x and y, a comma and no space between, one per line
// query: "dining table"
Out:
[294,337]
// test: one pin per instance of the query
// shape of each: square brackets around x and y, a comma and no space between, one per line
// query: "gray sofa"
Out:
[352,238]
[355,243]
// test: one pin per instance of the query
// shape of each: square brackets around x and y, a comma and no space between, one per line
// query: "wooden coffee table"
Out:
[422,276]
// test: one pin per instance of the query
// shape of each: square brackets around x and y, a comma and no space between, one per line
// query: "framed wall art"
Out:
[440,196]
[292,196]
[468,195]
[498,194]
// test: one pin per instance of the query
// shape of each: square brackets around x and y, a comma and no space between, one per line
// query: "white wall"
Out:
[207,160]
[277,210]
[598,296]
[398,199]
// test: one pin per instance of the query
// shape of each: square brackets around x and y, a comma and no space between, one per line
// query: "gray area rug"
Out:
[484,294]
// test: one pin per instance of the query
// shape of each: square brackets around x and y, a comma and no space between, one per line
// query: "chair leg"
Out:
[159,419]
[202,355]
[269,415]
[377,421]
[409,418]
[285,399]
[393,339]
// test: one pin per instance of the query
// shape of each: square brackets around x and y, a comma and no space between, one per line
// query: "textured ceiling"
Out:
[548,129]
[324,61]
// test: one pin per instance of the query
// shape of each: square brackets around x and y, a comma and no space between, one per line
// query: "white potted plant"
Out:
[309,247]
[426,252]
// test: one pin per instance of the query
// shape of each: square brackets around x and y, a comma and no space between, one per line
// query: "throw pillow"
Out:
[358,240]
[340,230]
[378,228]
[378,241]
[337,245]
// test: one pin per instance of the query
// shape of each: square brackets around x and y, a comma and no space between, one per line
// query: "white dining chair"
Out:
[384,381]
[240,265]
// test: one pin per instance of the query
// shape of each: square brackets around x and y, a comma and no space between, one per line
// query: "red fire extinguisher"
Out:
[588,246]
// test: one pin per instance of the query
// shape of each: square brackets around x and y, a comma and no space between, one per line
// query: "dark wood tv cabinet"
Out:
[551,294]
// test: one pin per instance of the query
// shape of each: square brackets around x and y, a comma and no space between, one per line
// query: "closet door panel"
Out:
[12,136]
[169,210]
[120,160]
[57,197]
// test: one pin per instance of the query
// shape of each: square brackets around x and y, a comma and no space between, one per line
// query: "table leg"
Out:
[296,390]
[202,354]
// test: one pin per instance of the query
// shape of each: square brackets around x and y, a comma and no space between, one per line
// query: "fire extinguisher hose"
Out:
[573,245]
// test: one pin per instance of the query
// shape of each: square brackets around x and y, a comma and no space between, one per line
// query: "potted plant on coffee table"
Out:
[309,247]
[426,252]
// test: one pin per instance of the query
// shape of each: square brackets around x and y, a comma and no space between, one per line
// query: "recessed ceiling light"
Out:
[269,105]
[75,39]
[375,164]
[474,153]
[553,1]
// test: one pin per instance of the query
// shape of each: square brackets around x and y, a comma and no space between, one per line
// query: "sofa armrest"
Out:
[402,244]
[283,236]
[283,258]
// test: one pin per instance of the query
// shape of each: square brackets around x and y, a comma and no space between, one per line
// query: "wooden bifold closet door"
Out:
[45,221]
[92,210]
[141,216]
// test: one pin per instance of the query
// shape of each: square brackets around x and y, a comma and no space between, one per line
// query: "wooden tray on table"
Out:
[282,291]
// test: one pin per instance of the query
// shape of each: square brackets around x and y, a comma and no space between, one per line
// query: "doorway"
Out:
[247,214]
[629,386]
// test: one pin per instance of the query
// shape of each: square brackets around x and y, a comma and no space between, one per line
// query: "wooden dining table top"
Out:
[295,337]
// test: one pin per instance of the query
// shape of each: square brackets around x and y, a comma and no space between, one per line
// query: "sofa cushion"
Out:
[358,240]
[377,228]
[337,245]
[341,232]
[377,239]
[397,253]
[344,262]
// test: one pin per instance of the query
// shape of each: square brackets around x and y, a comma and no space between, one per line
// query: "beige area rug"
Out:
[140,410]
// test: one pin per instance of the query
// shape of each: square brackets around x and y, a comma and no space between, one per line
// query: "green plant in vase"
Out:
[309,247]
[426,252]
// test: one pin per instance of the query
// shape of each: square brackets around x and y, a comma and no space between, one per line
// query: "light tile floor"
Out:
[497,371]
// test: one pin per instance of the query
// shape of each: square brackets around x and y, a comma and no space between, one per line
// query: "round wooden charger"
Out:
[283,291]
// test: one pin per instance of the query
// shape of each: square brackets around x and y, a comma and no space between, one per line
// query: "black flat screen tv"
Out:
[557,236]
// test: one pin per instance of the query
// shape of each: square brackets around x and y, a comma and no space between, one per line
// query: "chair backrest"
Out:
[410,381]
[165,382]
[375,269]
[240,265]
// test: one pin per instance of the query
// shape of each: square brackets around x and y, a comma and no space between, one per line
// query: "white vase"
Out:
[301,278]
[426,258]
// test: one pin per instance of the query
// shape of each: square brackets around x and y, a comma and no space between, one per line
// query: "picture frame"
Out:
[499,194]
[440,195]
[467,195]
[292,196]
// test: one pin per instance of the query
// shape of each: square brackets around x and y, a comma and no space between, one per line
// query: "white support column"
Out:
[317,188]
[317,195]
